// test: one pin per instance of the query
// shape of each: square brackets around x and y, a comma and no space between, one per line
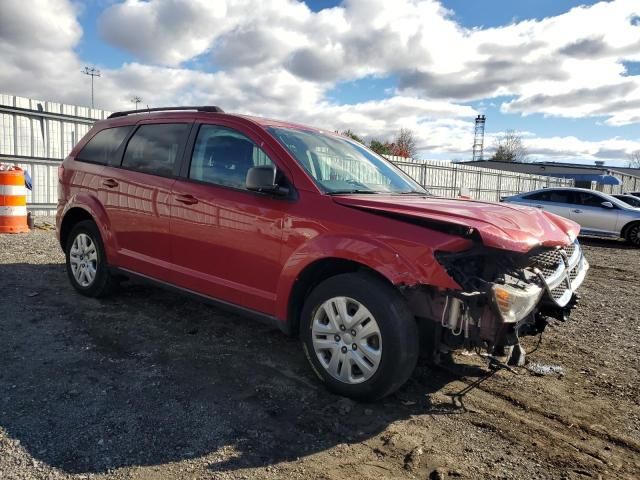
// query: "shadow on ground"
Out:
[606,243]
[148,377]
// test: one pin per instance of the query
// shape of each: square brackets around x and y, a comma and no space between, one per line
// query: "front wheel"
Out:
[359,336]
[633,234]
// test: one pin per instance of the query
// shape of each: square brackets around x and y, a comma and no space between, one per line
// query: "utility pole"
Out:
[136,99]
[92,72]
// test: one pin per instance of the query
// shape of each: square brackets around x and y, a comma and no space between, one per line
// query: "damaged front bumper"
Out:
[505,296]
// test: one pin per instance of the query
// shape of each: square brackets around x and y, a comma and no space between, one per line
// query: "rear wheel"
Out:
[86,261]
[359,336]
[633,234]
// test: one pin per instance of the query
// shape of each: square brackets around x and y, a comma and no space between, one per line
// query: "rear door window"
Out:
[103,146]
[561,196]
[539,196]
[154,148]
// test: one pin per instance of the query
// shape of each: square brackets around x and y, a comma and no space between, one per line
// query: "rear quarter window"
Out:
[103,145]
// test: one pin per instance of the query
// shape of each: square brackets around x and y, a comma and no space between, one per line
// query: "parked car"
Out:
[629,200]
[635,194]
[314,233]
[597,213]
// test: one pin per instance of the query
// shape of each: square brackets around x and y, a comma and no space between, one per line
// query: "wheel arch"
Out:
[86,206]
[72,217]
[625,229]
[315,273]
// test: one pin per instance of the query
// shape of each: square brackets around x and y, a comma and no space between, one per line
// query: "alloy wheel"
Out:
[634,235]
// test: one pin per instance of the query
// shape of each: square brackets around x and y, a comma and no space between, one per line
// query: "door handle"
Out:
[186,199]
[577,210]
[110,183]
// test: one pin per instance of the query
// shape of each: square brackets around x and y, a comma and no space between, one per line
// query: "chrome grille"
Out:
[570,249]
[546,258]
[573,274]
[562,270]
[558,292]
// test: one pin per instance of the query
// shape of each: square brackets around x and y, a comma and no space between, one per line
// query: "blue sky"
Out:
[565,73]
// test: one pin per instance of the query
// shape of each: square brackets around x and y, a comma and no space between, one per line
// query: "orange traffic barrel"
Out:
[13,201]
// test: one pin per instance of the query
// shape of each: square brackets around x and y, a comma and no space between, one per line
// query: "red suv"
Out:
[314,233]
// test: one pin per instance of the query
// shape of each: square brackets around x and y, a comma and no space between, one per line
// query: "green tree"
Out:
[349,133]
[502,154]
[379,147]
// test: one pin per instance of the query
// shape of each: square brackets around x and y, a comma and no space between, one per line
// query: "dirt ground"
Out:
[152,385]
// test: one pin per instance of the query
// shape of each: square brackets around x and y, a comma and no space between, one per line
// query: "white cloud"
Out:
[166,32]
[571,147]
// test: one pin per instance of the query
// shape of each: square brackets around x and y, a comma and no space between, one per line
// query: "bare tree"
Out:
[634,159]
[405,144]
[510,148]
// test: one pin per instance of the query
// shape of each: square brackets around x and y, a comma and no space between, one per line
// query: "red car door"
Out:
[226,240]
[136,196]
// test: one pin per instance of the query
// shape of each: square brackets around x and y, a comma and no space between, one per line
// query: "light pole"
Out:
[92,72]
[136,99]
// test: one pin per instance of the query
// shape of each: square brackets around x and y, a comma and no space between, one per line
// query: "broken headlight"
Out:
[513,303]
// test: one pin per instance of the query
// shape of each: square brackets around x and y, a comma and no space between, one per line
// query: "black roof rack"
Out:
[202,108]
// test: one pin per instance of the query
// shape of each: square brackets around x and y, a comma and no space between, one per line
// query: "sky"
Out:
[563,73]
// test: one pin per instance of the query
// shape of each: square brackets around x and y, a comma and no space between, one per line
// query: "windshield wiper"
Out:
[414,192]
[342,192]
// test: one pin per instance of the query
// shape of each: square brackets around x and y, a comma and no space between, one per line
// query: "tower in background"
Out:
[478,138]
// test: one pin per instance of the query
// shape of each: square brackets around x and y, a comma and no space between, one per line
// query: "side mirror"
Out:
[607,204]
[263,179]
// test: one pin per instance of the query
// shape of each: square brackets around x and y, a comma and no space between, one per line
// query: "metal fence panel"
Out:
[42,200]
[448,179]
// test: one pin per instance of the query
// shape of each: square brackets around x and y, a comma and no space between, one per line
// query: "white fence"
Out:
[448,179]
[440,178]
[32,128]
[42,200]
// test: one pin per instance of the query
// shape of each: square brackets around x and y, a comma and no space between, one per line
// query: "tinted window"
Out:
[104,144]
[540,196]
[154,148]
[560,196]
[223,156]
[589,199]
[628,199]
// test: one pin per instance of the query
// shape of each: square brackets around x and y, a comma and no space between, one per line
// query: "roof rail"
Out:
[202,108]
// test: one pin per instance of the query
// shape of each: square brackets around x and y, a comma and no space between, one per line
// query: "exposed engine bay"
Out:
[505,295]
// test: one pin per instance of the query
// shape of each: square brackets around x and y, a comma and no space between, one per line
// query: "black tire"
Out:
[632,234]
[398,332]
[103,282]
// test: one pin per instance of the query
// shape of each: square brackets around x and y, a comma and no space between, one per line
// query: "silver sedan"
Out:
[597,213]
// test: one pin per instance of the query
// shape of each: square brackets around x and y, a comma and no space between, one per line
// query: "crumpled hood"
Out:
[500,225]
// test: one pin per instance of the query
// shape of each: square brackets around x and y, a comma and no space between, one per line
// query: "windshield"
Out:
[340,165]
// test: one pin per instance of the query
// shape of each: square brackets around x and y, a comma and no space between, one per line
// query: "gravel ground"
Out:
[152,385]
